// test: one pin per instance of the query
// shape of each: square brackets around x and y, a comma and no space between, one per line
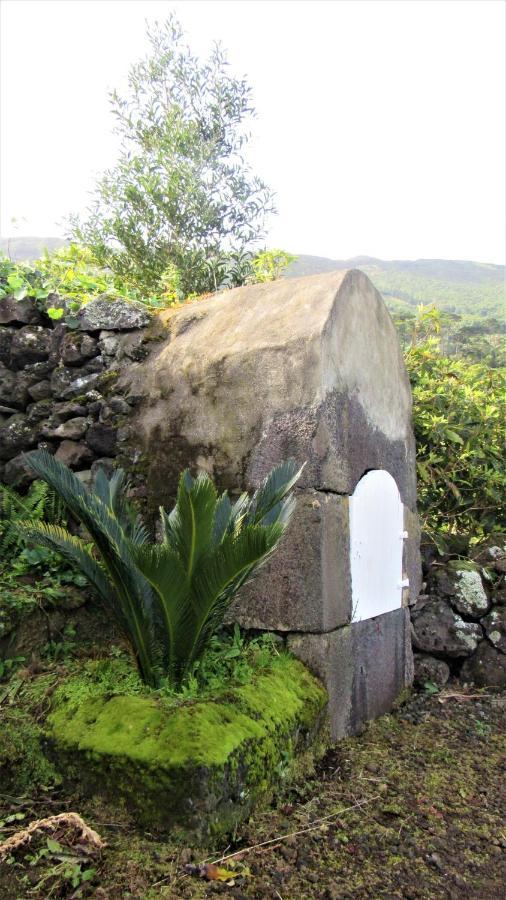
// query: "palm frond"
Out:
[273,489]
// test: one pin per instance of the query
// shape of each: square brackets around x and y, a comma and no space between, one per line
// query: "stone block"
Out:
[306,586]
[364,667]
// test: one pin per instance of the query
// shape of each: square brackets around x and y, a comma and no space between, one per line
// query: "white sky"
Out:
[381,123]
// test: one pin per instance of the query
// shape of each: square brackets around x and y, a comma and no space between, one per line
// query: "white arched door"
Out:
[376,542]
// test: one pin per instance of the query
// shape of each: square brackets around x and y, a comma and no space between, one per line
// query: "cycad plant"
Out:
[169,597]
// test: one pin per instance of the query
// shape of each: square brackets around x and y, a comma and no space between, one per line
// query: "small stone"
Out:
[16,435]
[40,390]
[38,411]
[77,348]
[470,598]
[18,473]
[22,311]
[486,668]
[31,343]
[108,342]
[73,455]
[6,335]
[73,429]
[80,385]
[101,438]
[438,629]
[13,389]
[430,669]
[495,628]
[119,406]
[112,314]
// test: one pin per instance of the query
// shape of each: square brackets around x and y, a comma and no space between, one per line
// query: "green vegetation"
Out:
[157,755]
[459,418]
[167,598]
[181,210]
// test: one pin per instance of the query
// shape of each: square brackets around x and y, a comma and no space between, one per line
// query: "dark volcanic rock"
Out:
[72,429]
[40,390]
[101,438]
[74,455]
[30,344]
[428,668]
[486,667]
[23,311]
[13,388]
[6,335]
[112,315]
[77,348]
[16,435]
[439,630]
[18,473]
[495,628]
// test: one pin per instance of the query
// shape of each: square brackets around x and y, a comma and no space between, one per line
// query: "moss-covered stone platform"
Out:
[196,769]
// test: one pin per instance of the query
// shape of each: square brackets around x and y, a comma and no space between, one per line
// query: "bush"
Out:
[168,598]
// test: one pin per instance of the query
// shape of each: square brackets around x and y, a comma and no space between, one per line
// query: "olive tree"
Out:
[181,211]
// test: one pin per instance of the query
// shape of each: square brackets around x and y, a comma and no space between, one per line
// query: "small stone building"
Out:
[308,368]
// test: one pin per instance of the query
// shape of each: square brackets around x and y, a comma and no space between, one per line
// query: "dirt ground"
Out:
[414,807]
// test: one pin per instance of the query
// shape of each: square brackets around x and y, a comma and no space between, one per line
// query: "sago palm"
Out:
[168,597]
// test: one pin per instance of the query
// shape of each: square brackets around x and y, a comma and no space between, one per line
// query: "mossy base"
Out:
[197,769]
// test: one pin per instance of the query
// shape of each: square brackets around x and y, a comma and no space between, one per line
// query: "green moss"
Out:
[149,730]
[23,762]
[199,766]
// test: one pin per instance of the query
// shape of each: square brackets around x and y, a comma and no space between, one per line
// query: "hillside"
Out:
[466,288]
[22,249]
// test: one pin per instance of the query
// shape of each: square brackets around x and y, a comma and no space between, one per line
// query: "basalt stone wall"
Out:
[459,621]
[57,384]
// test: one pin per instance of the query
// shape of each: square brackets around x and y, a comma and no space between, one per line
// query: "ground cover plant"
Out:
[168,598]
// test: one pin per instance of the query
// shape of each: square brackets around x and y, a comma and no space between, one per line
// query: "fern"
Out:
[40,503]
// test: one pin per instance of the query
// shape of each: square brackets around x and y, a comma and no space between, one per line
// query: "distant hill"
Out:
[23,249]
[466,288]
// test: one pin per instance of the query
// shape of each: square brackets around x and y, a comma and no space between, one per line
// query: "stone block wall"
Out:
[459,621]
[57,384]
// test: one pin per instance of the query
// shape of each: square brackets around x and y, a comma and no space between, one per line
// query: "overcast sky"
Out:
[381,123]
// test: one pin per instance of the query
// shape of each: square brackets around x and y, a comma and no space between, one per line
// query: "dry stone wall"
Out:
[57,384]
[459,621]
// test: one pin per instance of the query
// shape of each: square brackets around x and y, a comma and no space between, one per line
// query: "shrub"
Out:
[168,598]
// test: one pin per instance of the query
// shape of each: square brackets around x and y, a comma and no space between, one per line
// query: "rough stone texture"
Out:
[440,630]
[32,343]
[364,666]
[487,667]
[469,597]
[74,455]
[17,473]
[101,439]
[20,311]
[73,429]
[112,314]
[309,368]
[430,669]
[495,628]
[16,435]
[308,580]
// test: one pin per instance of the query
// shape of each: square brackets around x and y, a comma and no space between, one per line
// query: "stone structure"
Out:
[459,622]
[54,381]
[308,368]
